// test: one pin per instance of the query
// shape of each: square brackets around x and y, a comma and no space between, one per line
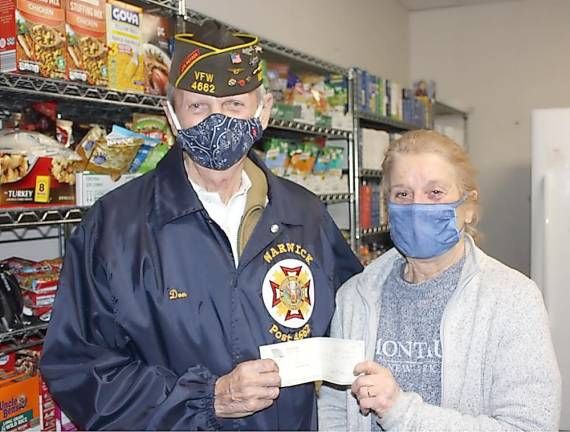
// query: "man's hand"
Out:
[375,388]
[250,387]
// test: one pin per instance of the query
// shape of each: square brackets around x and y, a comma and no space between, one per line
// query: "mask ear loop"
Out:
[173,116]
[258,110]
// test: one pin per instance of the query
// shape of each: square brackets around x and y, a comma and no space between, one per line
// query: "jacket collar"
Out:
[379,270]
[173,195]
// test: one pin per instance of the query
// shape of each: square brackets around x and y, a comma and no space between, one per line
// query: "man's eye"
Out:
[401,194]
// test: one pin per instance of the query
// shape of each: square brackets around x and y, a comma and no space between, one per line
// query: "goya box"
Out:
[40,35]
[86,41]
[125,59]
[30,181]
[19,403]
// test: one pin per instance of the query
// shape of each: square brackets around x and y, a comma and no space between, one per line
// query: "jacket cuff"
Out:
[201,383]
[395,419]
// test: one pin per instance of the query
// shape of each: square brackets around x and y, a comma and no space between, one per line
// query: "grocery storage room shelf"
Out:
[383,229]
[29,217]
[308,128]
[442,109]
[41,216]
[14,85]
[335,198]
[171,5]
[371,173]
[375,121]
[297,58]
[17,336]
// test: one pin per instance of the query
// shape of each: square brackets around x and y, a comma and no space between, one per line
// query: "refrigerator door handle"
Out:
[547,241]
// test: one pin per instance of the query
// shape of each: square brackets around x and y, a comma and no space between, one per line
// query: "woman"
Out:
[454,339]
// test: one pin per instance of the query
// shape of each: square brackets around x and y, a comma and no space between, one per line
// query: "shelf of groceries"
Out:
[40,216]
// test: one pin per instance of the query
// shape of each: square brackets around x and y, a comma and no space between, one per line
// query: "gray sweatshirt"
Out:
[499,370]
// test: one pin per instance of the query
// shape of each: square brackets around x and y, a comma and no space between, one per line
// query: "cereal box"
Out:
[19,403]
[40,36]
[86,41]
[156,34]
[125,60]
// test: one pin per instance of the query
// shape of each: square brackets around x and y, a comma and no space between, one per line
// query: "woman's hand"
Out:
[375,388]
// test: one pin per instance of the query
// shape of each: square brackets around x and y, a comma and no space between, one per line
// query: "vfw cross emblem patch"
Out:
[289,293]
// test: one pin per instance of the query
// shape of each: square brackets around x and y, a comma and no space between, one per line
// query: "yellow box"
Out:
[42,188]
[124,39]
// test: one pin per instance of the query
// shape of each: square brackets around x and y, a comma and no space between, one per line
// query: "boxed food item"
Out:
[8,34]
[92,186]
[29,181]
[19,403]
[125,59]
[86,41]
[154,126]
[156,35]
[36,29]
[277,155]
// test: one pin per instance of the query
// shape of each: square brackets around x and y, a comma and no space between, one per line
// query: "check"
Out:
[315,359]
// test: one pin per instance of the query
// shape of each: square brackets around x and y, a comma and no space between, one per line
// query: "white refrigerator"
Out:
[550,240]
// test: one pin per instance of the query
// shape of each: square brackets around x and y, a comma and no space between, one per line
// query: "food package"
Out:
[153,158]
[19,394]
[125,59]
[154,126]
[277,155]
[147,145]
[156,34]
[40,117]
[35,170]
[86,41]
[302,159]
[39,29]
[110,154]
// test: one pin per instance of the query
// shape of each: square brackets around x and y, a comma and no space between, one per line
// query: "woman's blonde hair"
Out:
[428,141]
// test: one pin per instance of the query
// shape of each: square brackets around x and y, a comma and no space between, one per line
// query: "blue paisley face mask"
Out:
[218,142]
[424,230]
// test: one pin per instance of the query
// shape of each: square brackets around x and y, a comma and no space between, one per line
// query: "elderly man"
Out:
[173,281]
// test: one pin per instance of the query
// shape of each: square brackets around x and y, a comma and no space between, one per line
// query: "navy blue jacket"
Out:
[151,309]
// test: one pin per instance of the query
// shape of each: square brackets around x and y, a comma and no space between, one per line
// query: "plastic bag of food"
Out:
[109,154]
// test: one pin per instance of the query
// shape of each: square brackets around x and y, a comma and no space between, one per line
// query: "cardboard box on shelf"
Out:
[91,186]
[19,402]
[36,184]
[34,35]
[86,41]
[156,36]
[125,59]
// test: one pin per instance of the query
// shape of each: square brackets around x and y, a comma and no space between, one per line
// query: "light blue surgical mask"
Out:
[424,230]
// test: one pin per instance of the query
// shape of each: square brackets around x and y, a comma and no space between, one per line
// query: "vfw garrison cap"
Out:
[212,60]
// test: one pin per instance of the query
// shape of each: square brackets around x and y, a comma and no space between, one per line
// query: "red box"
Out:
[33,183]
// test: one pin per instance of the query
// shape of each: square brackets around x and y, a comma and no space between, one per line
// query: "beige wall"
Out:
[501,61]
[373,34]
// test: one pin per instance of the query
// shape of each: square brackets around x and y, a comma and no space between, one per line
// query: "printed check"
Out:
[315,359]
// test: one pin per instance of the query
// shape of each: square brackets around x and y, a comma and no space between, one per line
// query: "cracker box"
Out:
[38,29]
[125,60]
[156,36]
[19,403]
[86,41]
[30,181]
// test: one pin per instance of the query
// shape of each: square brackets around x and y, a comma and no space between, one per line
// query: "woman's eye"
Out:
[401,194]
